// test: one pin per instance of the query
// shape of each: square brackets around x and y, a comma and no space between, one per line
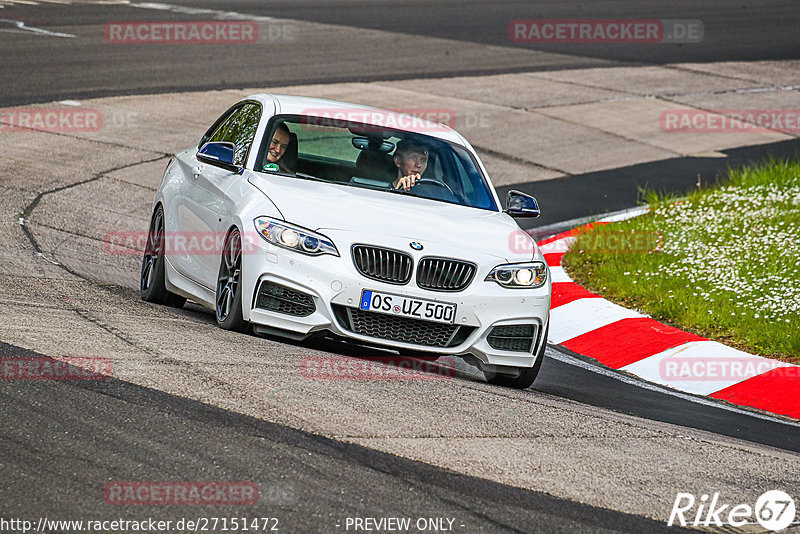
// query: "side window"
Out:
[242,130]
[459,175]
[239,128]
[218,133]
[470,182]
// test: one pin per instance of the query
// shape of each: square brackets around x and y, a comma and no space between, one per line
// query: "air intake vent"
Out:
[281,299]
[405,329]
[516,338]
[444,274]
[384,264]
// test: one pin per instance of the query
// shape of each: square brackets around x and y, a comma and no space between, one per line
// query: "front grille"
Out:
[281,299]
[517,338]
[444,274]
[405,329]
[384,264]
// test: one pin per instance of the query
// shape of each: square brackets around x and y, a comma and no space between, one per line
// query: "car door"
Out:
[205,206]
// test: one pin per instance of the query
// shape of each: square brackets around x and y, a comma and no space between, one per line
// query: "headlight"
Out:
[294,237]
[519,275]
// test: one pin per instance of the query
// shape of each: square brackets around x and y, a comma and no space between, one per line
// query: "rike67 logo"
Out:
[774,510]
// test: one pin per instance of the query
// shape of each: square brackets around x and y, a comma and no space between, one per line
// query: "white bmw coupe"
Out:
[297,215]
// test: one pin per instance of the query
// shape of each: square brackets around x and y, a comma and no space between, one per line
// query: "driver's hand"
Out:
[407,182]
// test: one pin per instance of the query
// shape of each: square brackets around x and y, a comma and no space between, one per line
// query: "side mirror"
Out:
[219,154]
[519,204]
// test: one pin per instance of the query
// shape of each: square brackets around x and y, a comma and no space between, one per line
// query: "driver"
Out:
[411,160]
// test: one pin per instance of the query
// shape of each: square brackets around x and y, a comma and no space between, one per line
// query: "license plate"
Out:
[428,310]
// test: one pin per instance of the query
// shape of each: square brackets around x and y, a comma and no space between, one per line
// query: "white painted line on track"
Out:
[624,214]
[22,28]
[542,232]
[217,14]
[62,2]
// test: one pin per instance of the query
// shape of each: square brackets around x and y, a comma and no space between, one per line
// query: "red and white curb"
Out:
[629,341]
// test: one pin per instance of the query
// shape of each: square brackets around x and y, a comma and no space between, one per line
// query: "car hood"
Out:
[320,206]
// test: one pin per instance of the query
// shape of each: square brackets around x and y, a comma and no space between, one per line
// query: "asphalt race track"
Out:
[586,449]
[432,38]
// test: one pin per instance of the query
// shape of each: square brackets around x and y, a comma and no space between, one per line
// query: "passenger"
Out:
[411,160]
[277,148]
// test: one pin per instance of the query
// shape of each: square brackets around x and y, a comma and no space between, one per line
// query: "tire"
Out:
[152,279]
[527,375]
[229,285]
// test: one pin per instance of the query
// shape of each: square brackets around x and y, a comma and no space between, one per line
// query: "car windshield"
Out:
[371,157]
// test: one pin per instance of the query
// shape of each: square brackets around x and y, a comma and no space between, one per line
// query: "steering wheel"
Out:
[436,183]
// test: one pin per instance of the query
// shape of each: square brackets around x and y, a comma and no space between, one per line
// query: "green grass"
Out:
[722,262]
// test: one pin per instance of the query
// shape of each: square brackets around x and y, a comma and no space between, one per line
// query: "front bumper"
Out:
[334,286]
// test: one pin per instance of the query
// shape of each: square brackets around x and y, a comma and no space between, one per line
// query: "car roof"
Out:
[320,107]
